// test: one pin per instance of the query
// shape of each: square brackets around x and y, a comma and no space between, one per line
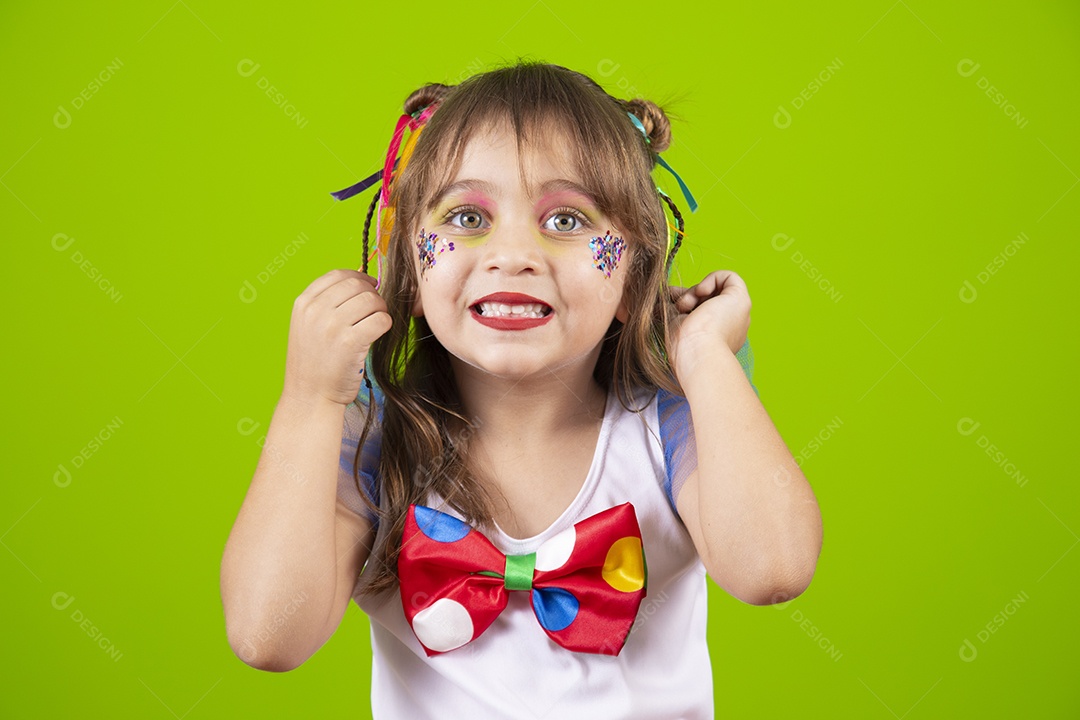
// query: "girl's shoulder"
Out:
[353,479]
[676,431]
[745,356]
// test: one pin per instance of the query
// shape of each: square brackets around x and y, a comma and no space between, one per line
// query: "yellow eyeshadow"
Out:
[554,247]
[471,241]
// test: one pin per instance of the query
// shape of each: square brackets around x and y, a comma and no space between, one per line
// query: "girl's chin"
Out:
[516,362]
[510,365]
[507,368]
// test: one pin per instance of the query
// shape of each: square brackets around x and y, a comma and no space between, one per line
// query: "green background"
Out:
[895,364]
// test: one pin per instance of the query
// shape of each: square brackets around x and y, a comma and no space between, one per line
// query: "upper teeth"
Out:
[531,310]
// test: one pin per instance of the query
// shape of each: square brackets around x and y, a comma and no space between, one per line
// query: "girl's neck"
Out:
[513,410]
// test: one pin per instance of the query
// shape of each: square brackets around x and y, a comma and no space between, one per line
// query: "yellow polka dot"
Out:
[624,567]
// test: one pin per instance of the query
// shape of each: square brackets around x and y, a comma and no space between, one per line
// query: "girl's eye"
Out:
[470,219]
[466,218]
[565,221]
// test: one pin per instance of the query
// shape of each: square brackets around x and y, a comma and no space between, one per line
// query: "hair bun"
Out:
[424,96]
[655,121]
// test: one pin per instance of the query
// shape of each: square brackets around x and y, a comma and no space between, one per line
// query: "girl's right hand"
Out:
[334,322]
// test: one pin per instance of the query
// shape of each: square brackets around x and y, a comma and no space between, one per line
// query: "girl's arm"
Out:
[748,508]
[294,553]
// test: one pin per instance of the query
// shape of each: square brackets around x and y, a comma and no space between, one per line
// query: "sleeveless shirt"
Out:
[513,669]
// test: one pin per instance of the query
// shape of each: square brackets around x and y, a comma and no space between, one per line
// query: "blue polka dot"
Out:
[440,526]
[555,608]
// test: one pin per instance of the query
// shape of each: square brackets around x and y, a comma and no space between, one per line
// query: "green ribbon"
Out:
[663,163]
[685,190]
[519,571]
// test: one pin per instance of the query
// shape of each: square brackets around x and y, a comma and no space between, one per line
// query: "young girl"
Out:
[553,447]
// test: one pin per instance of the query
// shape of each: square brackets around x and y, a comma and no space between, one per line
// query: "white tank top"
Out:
[513,669]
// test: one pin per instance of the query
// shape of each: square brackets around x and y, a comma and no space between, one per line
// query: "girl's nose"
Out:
[513,248]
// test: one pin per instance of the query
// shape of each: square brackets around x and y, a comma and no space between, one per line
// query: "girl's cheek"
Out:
[607,252]
[429,246]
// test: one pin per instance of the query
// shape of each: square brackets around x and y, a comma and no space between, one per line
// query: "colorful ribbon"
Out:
[360,186]
[585,583]
[663,163]
[392,163]
[413,122]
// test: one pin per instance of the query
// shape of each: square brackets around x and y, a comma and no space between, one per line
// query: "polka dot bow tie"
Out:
[585,583]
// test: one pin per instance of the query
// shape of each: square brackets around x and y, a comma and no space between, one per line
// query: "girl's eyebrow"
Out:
[487,188]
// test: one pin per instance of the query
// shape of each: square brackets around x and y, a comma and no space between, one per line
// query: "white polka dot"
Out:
[443,626]
[554,553]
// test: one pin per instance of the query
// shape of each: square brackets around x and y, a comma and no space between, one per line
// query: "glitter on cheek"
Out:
[607,251]
[429,245]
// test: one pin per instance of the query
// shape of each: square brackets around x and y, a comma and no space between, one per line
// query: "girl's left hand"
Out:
[716,309]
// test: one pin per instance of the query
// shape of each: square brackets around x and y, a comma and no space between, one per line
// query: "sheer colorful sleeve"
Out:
[677,431]
[347,491]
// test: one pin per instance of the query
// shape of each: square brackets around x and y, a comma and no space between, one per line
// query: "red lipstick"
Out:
[510,323]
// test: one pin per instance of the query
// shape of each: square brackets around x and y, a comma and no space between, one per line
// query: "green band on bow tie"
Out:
[519,571]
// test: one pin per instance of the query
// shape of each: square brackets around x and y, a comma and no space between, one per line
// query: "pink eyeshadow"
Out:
[567,197]
[474,198]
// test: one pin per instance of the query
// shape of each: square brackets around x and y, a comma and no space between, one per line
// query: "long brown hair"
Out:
[420,449]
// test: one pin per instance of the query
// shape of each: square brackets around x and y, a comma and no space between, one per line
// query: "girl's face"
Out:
[517,281]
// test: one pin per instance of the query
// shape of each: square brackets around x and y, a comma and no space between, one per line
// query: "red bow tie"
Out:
[587,582]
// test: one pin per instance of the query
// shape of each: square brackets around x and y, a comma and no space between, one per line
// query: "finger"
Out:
[707,287]
[687,301]
[360,306]
[682,298]
[718,280]
[699,292]
[322,283]
[373,326]
[731,282]
[346,288]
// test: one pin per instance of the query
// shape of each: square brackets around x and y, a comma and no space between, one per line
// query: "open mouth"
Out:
[503,310]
